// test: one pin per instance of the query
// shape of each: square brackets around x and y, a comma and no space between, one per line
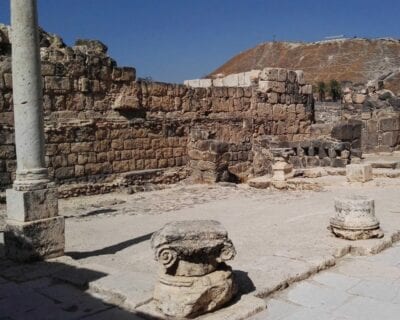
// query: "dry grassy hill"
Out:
[355,60]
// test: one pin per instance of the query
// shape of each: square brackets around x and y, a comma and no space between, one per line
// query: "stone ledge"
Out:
[243,308]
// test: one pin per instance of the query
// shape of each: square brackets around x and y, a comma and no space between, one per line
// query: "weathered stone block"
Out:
[306,89]
[34,240]
[219,82]
[389,124]
[272,86]
[192,83]
[273,97]
[5,178]
[347,131]
[273,74]
[48,69]
[390,138]
[205,83]
[279,112]
[252,77]
[124,74]
[8,80]
[57,83]
[7,118]
[339,163]
[282,171]
[282,74]
[27,206]
[64,172]
[359,172]
[188,297]
[291,76]
[231,80]
[84,84]
[300,77]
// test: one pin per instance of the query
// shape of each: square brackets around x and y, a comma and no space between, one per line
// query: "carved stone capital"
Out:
[192,248]
[193,277]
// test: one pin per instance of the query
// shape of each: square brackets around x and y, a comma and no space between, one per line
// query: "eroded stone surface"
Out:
[193,278]
[355,218]
[282,171]
[191,296]
[359,172]
[39,239]
[32,205]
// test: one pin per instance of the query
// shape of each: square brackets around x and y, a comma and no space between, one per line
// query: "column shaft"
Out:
[34,230]
[27,91]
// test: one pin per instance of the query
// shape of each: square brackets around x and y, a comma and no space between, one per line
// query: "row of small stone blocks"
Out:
[315,161]
[254,77]
[322,152]
[105,168]
[55,83]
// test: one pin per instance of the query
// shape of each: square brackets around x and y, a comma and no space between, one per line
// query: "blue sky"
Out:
[173,40]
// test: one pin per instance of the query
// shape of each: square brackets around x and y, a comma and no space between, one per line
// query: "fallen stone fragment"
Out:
[193,278]
[355,219]
[282,171]
[359,172]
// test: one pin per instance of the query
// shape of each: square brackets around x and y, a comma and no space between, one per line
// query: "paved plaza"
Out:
[357,288]
[281,239]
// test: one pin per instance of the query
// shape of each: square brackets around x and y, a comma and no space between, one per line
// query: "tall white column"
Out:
[27,94]
[34,229]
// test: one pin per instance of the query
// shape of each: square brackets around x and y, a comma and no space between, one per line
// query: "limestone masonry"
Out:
[100,122]
[105,129]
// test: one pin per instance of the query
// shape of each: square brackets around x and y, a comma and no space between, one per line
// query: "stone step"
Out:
[386,164]
[386,173]
[240,309]
[128,289]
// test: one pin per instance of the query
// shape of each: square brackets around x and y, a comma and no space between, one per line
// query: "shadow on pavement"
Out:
[246,285]
[40,291]
[76,255]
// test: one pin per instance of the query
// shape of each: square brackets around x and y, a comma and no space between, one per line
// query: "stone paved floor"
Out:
[357,288]
[32,292]
[280,237]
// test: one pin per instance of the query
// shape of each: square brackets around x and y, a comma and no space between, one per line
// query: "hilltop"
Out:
[356,60]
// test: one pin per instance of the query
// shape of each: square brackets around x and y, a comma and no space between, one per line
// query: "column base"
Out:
[32,205]
[35,240]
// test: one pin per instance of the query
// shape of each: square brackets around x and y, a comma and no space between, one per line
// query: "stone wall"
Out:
[105,129]
[328,112]
[379,111]
[375,108]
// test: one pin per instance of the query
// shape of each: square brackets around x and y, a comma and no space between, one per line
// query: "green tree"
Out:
[335,90]
[321,89]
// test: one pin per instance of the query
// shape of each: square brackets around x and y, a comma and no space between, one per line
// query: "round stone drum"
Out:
[355,219]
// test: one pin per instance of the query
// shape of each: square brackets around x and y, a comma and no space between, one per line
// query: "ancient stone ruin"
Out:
[106,130]
[355,219]
[73,123]
[359,172]
[34,230]
[193,277]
